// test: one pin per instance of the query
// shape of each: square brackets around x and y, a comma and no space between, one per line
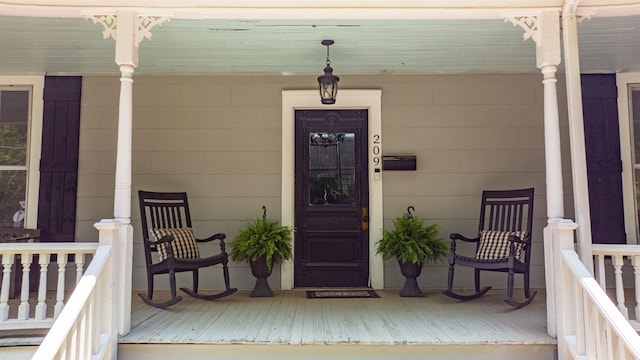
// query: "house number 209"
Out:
[376,149]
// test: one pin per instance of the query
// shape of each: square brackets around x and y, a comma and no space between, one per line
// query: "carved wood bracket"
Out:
[144,24]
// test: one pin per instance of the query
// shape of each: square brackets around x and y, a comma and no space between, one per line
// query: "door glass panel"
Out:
[14,119]
[331,168]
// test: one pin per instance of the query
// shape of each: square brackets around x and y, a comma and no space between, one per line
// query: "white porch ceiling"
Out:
[292,46]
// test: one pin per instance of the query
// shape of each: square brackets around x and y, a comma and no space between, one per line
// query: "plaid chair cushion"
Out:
[495,244]
[184,244]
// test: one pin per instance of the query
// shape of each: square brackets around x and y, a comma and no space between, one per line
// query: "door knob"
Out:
[365,219]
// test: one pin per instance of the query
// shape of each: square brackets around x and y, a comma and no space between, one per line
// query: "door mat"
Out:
[344,294]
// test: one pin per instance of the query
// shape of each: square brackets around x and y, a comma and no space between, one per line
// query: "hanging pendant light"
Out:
[328,82]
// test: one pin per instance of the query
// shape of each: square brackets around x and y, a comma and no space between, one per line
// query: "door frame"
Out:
[370,100]
[626,153]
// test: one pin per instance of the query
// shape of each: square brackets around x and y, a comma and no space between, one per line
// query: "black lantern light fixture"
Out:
[328,82]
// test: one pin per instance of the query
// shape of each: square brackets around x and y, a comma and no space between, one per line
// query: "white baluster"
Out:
[618,261]
[7,263]
[62,264]
[41,308]
[601,274]
[635,262]
[79,266]
[23,309]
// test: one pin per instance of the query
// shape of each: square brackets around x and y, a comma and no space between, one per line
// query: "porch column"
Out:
[544,29]
[128,29]
[576,134]
[127,59]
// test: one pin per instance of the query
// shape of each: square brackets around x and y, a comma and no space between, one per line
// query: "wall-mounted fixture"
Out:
[328,82]
[399,162]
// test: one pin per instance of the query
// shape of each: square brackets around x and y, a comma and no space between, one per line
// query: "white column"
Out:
[544,29]
[128,29]
[576,136]
[553,155]
[127,59]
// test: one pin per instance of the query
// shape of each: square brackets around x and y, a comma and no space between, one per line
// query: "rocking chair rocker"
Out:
[167,231]
[503,243]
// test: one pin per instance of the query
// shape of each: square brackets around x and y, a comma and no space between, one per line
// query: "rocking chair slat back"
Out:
[506,210]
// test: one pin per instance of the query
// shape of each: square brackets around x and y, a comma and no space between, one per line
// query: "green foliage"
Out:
[13,152]
[13,144]
[263,237]
[412,241]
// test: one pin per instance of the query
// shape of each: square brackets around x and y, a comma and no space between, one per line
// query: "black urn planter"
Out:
[260,270]
[410,271]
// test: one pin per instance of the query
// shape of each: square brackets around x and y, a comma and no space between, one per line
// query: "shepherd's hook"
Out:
[410,210]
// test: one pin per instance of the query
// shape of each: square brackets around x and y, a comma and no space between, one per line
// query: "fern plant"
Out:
[412,241]
[263,237]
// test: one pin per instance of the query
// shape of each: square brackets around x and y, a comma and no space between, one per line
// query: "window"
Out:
[14,131]
[20,137]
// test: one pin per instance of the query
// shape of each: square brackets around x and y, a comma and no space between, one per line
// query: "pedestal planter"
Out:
[410,271]
[260,270]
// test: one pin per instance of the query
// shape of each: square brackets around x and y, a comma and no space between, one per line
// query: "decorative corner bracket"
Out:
[109,22]
[144,24]
[528,23]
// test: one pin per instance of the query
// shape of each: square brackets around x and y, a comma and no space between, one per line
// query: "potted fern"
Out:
[412,243]
[262,243]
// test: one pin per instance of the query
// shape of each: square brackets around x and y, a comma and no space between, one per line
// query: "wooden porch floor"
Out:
[290,318]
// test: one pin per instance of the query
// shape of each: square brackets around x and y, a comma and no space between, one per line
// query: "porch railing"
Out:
[88,326]
[585,321]
[587,324]
[33,262]
[625,261]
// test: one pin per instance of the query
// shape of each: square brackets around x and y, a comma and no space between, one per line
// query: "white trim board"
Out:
[346,99]
[623,80]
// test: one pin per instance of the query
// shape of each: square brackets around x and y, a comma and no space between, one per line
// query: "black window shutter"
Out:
[59,158]
[604,164]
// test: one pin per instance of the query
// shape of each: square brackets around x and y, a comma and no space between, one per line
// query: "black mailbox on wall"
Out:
[399,162]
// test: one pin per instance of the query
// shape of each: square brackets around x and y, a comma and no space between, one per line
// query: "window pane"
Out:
[331,168]
[13,185]
[14,116]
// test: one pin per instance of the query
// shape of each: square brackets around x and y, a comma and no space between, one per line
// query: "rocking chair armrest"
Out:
[516,239]
[164,239]
[218,236]
[513,240]
[456,236]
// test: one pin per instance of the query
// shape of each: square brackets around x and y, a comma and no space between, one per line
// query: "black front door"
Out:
[332,199]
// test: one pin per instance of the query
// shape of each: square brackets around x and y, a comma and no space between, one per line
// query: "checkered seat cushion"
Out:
[495,244]
[184,244]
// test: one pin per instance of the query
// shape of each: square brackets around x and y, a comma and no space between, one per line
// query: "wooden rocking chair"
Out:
[167,231]
[503,243]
